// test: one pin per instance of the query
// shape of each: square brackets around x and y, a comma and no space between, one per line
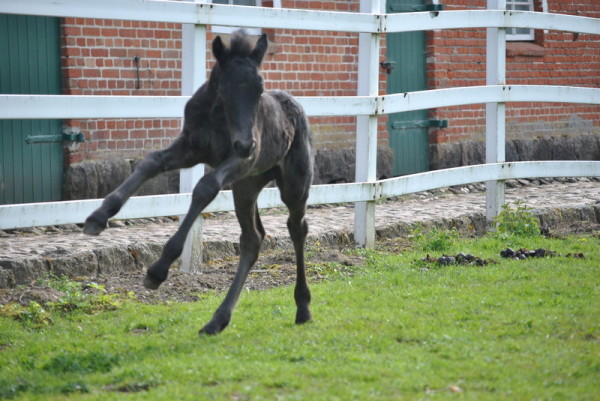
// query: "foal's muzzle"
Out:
[243,149]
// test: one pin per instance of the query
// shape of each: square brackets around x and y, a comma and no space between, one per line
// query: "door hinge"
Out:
[64,137]
[388,66]
[420,124]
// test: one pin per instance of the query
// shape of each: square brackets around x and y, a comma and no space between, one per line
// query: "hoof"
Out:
[94,225]
[303,317]
[213,327]
[152,283]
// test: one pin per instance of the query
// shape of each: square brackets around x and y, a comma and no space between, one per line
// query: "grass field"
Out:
[397,328]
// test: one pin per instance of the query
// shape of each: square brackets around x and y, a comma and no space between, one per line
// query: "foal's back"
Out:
[280,123]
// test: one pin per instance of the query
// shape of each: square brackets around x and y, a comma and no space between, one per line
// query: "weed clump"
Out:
[31,315]
[62,295]
[435,240]
[518,221]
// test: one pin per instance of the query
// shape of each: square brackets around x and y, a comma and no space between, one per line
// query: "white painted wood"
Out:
[196,13]
[485,172]
[79,107]
[133,10]
[425,21]
[74,107]
[72,212]
[485,94]
[287,18]
[192,77]
[548,21]
[495,128]
[366,127]
[338,105]
[203,13]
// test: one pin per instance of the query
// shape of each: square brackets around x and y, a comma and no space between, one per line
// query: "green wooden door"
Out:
[31,157]
[408,131]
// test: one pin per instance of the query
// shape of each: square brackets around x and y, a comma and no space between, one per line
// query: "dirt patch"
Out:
[274,268]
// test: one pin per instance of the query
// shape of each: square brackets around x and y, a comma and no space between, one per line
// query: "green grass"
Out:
[394,329]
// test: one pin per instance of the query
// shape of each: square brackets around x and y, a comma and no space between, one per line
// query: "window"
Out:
[519,34]
[229,29]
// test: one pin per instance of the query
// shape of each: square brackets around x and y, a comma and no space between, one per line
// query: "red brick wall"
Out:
[312,63]
[457,58]
[319,63]
[99,59]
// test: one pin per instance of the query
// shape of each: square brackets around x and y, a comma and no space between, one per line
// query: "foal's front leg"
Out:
[245,195]
[204,192]
[176,156]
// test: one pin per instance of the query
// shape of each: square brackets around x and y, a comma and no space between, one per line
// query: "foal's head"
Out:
[240,87]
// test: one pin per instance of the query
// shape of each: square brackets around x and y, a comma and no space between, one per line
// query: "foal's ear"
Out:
[219,50]
[260,49]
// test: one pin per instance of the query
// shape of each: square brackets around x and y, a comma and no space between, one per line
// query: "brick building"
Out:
[120,57]
[535,131]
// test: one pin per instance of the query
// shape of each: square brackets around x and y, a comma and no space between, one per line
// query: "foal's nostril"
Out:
[244,150]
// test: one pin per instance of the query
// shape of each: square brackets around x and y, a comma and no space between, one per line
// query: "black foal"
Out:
[249,138]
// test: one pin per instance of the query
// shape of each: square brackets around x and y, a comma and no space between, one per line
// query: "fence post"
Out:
[366,126]
[193,75]
[495,125]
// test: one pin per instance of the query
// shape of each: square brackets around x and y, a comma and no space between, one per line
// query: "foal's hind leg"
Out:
[294,193]
[298,229]
[176,156]
[253,233]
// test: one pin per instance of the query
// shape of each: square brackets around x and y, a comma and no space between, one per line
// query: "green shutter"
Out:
[30,170]
[408,131]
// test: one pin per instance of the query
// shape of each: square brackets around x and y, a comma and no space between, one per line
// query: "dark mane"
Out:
[240,45]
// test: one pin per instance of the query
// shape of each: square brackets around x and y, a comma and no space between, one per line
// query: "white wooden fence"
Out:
[370,23]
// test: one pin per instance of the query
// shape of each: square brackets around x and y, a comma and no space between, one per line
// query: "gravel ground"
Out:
[274,268]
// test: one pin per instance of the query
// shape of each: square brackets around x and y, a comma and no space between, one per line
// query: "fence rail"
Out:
[76,107]
[282,18]
[72,212]
[370,23]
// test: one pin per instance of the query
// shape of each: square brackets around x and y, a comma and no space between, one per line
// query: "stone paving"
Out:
[128,246]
